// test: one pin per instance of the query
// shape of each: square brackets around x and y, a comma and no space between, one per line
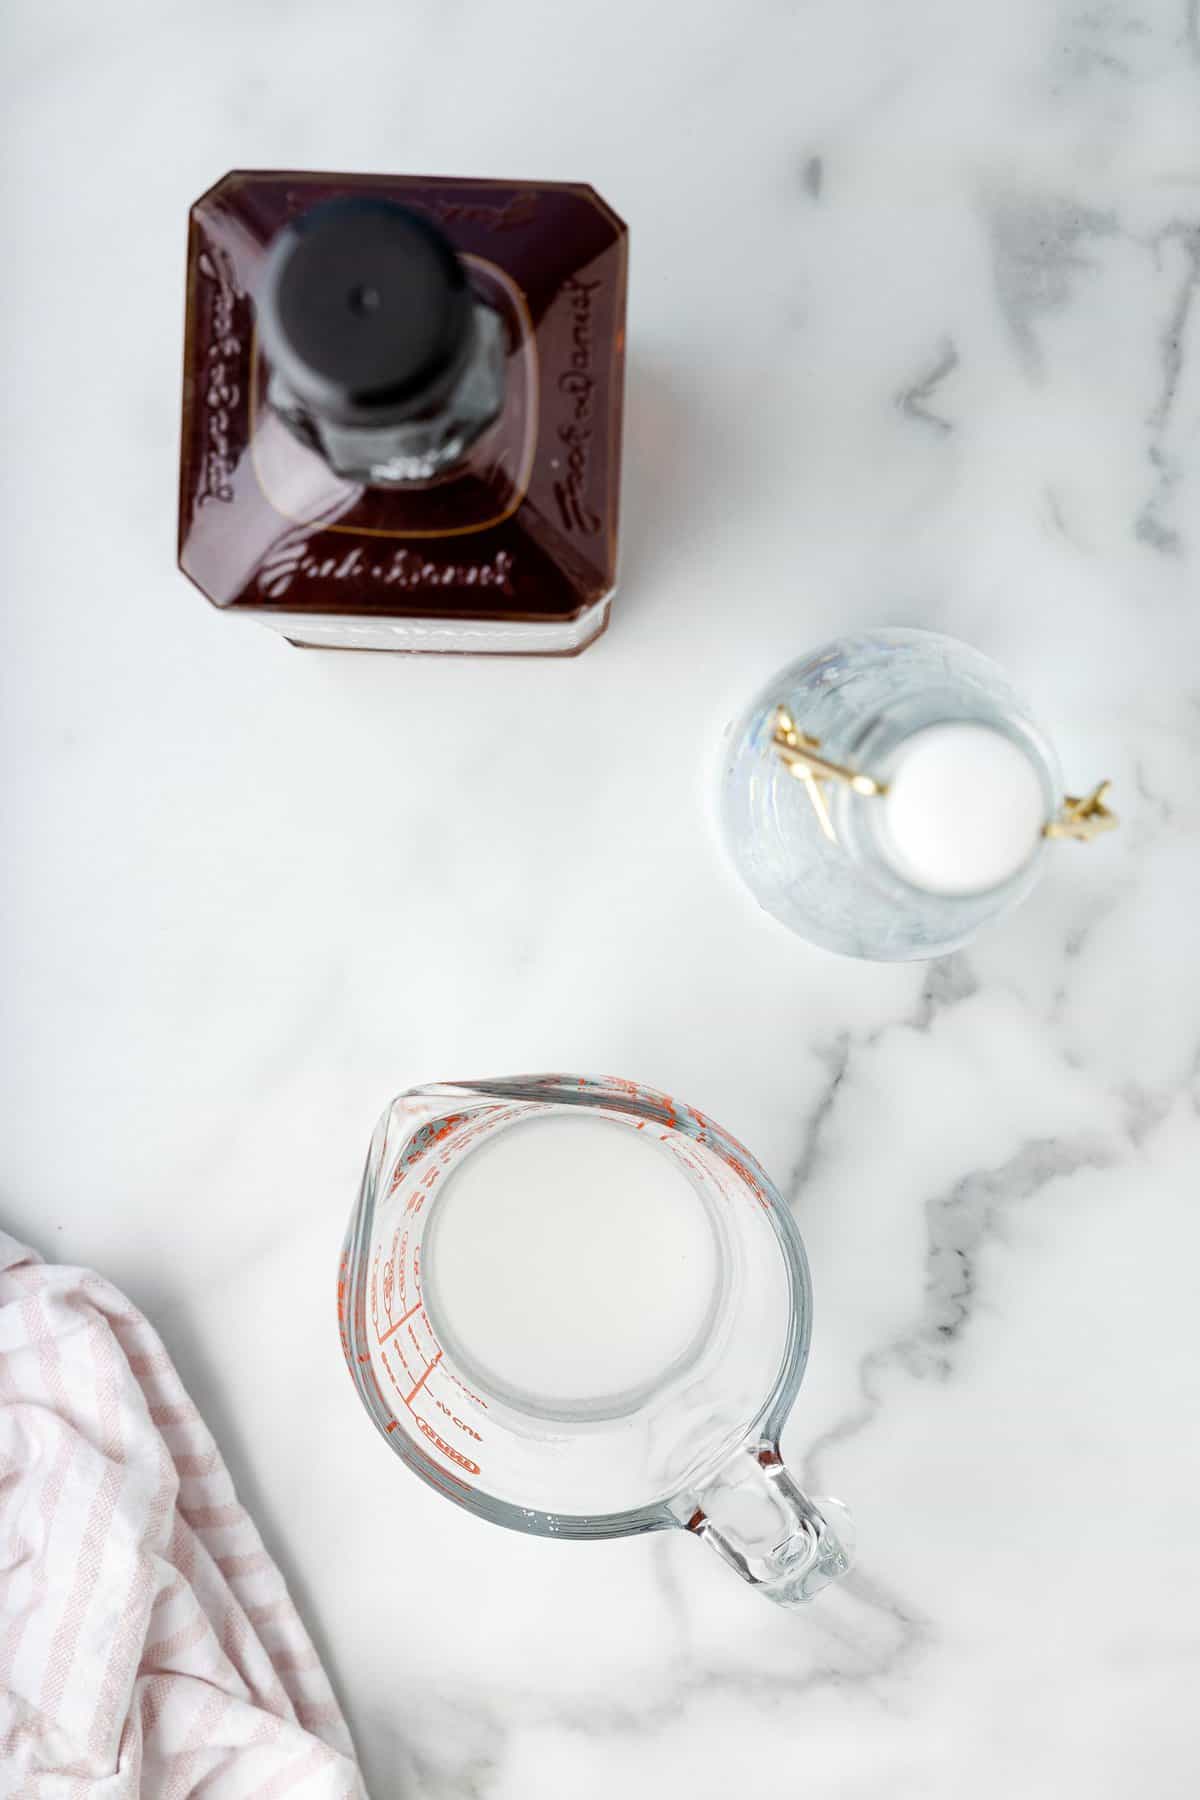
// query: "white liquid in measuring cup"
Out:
[570,1265]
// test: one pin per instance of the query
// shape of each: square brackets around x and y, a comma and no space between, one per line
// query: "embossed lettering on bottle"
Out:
[577,431]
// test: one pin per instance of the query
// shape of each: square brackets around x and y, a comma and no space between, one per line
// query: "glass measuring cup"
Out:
[692,1439]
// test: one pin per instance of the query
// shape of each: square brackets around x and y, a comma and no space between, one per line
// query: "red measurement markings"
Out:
[749,1179]
[429,1368]
[411,1374]
[400,1258]
[420,1143]
[487,1122]
[341,1305]
[461,1424]
[350,1298]
[385,1335]
[416,1350]
[702,1170]
[398,1349]
[448,1450]
[451,1376]
[423,1425]
[744,1176]
[369,1377]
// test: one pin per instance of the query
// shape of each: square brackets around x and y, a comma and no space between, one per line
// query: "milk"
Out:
[570,1265]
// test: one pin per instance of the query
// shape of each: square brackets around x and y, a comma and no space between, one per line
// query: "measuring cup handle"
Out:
[770,1532]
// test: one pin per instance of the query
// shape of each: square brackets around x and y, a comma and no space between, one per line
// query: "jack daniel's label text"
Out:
[403,570]
[577,385]
[220,388]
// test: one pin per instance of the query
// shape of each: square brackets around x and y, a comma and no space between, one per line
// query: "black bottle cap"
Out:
[365,312]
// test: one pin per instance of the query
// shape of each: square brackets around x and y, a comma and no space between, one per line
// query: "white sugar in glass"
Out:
[964,809]
[949,833]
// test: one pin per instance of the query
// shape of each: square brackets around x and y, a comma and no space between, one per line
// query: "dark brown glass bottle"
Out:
[402,410]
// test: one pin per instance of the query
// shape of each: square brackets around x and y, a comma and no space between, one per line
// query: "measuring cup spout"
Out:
[766,1528]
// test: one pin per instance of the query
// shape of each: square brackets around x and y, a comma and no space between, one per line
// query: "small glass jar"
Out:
[819,852]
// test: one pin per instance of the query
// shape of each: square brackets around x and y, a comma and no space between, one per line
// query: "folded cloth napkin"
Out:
[147,1642]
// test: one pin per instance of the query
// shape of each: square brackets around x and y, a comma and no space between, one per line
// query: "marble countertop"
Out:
[914,339]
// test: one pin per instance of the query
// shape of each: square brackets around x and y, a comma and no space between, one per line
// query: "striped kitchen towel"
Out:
[147,1642]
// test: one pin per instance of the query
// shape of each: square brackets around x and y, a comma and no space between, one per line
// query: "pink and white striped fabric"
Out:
[147,1642]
